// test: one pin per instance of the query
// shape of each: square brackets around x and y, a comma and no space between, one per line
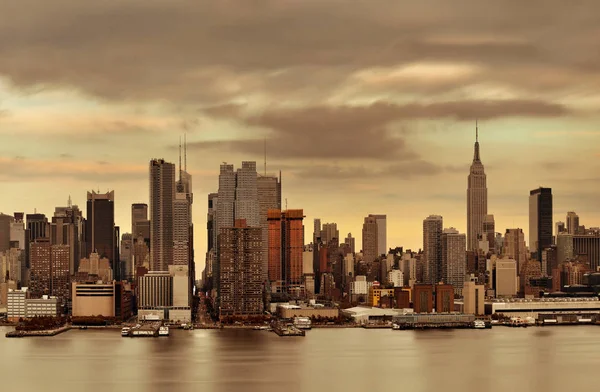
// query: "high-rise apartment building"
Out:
[454,262]
[60,261]
[476,198]
[100,226]
[240,259]
[286,245]
[572,223]
[381,233]
[432,249]
[514,246]
[540,221]
[370,237]
[162,196]
[41,270]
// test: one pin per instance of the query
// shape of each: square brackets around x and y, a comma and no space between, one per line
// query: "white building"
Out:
[360,286]
[506,278]
[307,260]
[564,247]
[19,306]
[396,277]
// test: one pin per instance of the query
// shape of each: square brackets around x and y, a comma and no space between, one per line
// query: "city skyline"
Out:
[364,124]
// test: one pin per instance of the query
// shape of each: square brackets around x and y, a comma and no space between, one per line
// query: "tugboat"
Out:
[163,331]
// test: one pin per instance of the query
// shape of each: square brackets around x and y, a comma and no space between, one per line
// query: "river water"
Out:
[501,359]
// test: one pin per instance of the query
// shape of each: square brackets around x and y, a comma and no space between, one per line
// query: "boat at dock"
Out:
[479,324]
[163,331]
[125,331]
[302,323]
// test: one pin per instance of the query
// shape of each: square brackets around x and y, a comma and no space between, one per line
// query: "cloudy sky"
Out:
[367,106]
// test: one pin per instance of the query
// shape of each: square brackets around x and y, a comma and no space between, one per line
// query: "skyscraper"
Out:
[381,234]
[162,196]
[286,245]
[41,270]
[432,249]
[37,226]
[5,223]
[139,214]
[68,228]
[454,262]
[572,223]
[246,204]
[476,198]
[240,257]
[540,221]
[140,235]
[100,226]
[370,238]
[514,246]
[60,282]
[329,232]
[269,198]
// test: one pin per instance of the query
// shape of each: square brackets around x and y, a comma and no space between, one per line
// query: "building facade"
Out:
[286,245]
[162,197]
[432,249]
[454,262]
[540,221]
[370,238]
[240,254]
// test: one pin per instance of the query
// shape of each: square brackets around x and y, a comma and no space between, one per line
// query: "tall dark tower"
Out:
[540,221]
[476,198]
[100,227]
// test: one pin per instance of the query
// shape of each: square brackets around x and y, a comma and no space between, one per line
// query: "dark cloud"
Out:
[337,132]
[190,51]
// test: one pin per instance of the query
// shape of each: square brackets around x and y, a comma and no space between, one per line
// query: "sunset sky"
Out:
[367,106]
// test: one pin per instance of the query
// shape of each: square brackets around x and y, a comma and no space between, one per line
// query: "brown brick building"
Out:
[444,298]
[423,298]
[240,258]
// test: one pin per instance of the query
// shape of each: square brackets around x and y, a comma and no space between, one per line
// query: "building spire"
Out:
[185,152]
[476,156]
[179,158]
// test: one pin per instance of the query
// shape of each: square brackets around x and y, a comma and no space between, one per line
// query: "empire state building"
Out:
[476,198]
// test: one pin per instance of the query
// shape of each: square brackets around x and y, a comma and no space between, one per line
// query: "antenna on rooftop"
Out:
[69,202]
[265,156]
[179,158]
[185,152]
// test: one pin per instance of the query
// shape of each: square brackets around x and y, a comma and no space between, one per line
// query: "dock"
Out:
[46,333]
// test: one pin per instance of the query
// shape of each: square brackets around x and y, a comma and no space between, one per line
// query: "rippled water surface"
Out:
[501,359]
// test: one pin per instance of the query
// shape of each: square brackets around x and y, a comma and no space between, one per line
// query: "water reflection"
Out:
[326,360]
